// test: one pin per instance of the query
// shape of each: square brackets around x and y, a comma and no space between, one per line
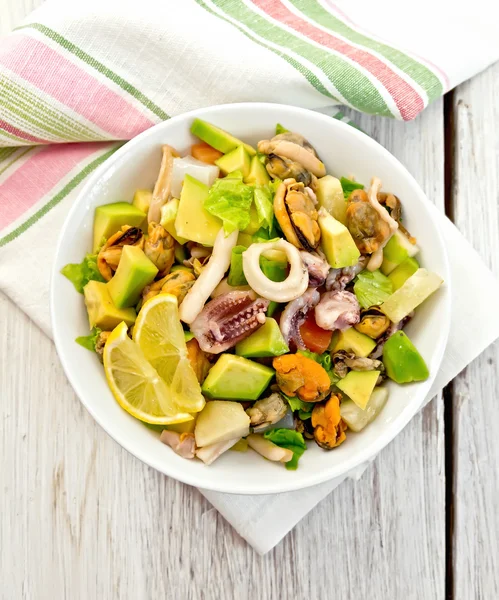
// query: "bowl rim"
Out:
[223,485]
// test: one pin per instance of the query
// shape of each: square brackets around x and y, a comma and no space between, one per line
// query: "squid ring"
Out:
[289,289]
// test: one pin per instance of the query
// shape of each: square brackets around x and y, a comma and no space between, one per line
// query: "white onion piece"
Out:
[198,169]
[268,449]
[210,276]
[285,291]
[209,454]
[377,257]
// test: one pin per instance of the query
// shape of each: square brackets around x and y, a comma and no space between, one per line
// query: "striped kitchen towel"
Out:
[78,78]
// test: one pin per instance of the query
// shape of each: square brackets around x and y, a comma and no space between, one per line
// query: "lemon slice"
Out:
[160,336]
[136,385]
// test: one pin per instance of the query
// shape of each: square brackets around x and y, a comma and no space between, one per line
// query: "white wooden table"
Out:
[81,518]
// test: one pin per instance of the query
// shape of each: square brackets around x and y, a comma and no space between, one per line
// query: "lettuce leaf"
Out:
[89,341]
[289,439]
[349,186]
[230,199]
[372,288]
[280,129]
[236,274]
[273,269]
[264,206]
[81,274]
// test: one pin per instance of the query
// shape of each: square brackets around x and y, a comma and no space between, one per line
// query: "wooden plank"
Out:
[476,390]
[82,518]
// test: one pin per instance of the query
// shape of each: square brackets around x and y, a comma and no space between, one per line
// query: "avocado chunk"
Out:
[236,378]
[236,160]
[402,361]
[257,173]
[102,312]
[330,196]
[412,293]
[221,421]
[109,218]
[134,272]
[193,221]
[337,242]
[218,138]
[356,418]
[401,274]
[352,340]
[168,215]
[396,251]
[358,386]
[266,341]
[142,200]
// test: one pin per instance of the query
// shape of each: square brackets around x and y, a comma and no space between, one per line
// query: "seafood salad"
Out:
[252,301]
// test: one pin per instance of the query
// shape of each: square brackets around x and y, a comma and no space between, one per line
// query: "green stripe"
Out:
[421,74]
[98,66]
[309,76]
[69,187]
[30,118]
[6,152]
[15,159]
[50,118]
[355,87]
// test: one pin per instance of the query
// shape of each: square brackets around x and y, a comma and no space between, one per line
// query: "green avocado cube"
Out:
[134,272]
[401,274]
[337,242]
[236,160]
[102,312]
[142,200]
[266,341]
[193,222]
[218,138]
[257,173]
[398,248]
[236,378]
[110,218]
[358,386]
[352,340]
[330,196]
[402,361]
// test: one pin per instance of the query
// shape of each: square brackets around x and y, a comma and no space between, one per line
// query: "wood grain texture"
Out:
[81,518]
[476,390]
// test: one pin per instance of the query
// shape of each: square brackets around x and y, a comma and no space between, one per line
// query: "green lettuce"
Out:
[89,341]
[230,199]
[264,206]
[372,288]
[236,273]
[289,439]
[280,129]
[349,186]
[81,274]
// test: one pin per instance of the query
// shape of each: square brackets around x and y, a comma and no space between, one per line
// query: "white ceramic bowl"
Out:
[345,150]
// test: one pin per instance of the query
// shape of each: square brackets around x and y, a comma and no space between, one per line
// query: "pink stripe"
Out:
[432,65]
[38,175]
[49,71]
[22,134]
[408,101]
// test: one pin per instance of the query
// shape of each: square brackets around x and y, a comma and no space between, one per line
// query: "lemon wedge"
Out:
[159,334]
[136,385]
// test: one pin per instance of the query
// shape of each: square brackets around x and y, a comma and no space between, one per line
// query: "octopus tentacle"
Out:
[228,319]
[295,314]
